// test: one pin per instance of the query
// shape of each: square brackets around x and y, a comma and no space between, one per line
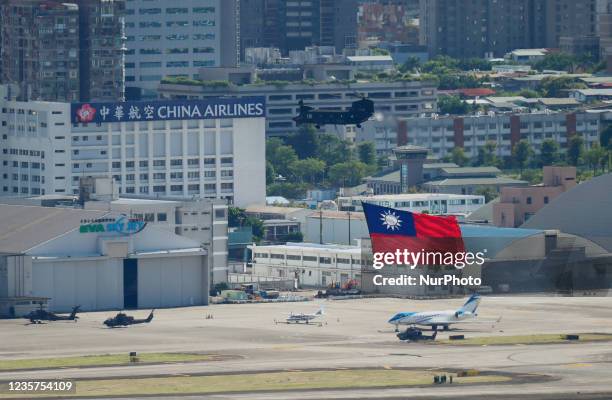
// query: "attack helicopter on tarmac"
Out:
[122,319]
[40,315]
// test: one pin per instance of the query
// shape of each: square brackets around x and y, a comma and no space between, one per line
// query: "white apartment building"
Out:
[313,265]
[432,203]
[176,39]
[212,149]
[400,99]
[442,133]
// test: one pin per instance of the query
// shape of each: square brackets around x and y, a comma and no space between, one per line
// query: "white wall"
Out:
[171,282]
[92,284]
[249,161]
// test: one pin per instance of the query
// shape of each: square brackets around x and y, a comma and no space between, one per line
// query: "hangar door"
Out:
[171,282]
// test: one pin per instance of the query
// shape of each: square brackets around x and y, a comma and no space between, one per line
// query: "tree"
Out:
[487,155]
[452,105]
[521,153]
[489,193]
[280,156]
[558,61]
[549,152]
[605,139]
[270,173]
[288,190]
[367,153]
[346,174]
[411,65]
[333,150]
[304,142]
[575,150]
[295,237]
[238,218]
[308,170]
[458,156]
[554,86]
[596,157]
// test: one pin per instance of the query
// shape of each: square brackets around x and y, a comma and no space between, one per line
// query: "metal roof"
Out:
[477,181]
[23,227]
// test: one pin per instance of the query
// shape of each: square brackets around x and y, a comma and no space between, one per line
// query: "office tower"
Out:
[56,51]
[295,25]
[478,28]
[252,24]
[166,39]
[481,28]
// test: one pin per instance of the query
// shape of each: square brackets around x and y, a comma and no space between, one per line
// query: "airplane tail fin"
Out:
[150,317]
[320,311]
[471,304]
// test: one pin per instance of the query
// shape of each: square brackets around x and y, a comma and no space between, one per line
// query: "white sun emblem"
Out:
[390,220]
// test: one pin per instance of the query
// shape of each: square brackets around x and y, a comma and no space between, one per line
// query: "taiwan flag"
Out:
[392,230]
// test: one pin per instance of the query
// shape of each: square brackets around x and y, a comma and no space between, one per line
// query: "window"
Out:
[325,260]
[545,199]
[528,200]
[149,217]
[220,213]
[162,217]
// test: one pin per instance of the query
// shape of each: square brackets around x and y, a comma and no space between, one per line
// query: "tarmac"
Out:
[354,334]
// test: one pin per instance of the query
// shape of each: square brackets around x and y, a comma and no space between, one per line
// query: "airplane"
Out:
[438,318]
[122,319]
[305,318]
[360,111]
[37,316]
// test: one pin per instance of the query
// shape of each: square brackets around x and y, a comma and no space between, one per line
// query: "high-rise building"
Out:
[252,24]
[493,27]
[476,28]
[58,51]
[176,40]
[295,25]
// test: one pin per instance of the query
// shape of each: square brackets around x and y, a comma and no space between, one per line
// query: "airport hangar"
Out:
[516,260]
[95,259]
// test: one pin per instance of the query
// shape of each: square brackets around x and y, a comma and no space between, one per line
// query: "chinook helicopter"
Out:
[40,315]
[359,112]
[122,319]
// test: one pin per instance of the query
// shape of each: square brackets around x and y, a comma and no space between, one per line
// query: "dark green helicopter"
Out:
[359,112]
[40,315]
[122,319]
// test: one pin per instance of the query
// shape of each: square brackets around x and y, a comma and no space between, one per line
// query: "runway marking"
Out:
[578,365]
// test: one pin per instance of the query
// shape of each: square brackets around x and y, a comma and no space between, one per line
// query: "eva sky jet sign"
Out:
[121,225]
[138,111]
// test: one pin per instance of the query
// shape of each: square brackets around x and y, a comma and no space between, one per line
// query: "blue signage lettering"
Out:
[211,108]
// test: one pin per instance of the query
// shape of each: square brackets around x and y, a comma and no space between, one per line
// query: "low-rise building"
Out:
[518,204]
[99,260]
[431,203]
[441,134]
[312,265]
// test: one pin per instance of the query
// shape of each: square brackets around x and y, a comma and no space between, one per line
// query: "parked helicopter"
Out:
[40,315]
[414,334]
[122,319]
[360,111]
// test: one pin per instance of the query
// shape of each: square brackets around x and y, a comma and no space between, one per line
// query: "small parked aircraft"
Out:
[304,318]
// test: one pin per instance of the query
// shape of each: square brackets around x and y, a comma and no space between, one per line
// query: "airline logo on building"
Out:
[121,225]
[138,111]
